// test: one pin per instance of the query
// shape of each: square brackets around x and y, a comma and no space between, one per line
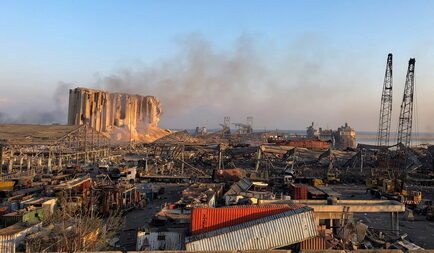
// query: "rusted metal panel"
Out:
[306,143]
[270,232]
[208,219]
[298,191]
[316,243]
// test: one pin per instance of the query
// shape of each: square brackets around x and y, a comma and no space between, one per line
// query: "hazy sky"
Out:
[286,63]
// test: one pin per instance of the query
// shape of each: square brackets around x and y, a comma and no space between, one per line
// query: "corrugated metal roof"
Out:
[240,186]
[316,243]
[270,232]
[208,219]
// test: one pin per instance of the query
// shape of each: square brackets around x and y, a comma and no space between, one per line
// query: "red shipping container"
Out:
[208,219]
[316,243]
[298,191]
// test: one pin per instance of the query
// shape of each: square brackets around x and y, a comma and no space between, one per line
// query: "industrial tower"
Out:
[386,106]
[406,114]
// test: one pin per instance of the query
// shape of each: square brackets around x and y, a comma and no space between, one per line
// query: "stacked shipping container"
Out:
[298,191]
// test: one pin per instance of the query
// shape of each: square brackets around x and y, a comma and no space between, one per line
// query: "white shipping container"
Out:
[270,232]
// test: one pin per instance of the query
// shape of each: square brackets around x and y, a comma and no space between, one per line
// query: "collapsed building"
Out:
[124,116]
[37,148]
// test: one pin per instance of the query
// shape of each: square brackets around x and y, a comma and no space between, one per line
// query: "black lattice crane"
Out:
[406,114]
[386,106]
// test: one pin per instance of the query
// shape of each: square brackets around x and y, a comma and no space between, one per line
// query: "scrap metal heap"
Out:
[36,149]
[64,188]
[214,175]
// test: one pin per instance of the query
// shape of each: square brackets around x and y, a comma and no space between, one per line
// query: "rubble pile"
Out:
[300,194]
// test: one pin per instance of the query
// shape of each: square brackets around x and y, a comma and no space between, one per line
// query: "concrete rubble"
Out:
[79,188]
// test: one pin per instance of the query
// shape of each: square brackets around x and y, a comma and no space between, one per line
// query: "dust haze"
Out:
[201,84]
[38,114]
[281,87]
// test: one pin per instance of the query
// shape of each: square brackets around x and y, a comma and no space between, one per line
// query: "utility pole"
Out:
[406,114]
[386,106]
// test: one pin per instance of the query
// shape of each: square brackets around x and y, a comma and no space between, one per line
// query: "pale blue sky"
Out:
[44,42]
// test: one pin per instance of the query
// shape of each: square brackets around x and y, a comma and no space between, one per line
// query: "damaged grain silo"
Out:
[123,116]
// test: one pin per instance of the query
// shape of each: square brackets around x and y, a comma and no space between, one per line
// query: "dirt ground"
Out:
[140,217]
[420,231]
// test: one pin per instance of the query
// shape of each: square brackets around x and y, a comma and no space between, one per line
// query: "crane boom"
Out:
[386,106]
[406,114]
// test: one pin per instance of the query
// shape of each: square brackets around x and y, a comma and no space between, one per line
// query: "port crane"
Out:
[386,106]
[406,113]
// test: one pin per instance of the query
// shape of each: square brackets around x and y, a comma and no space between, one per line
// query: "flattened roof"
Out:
[34,134]
[238,187]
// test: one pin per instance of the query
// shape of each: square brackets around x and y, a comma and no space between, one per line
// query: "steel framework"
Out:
[406,114]
[386,106]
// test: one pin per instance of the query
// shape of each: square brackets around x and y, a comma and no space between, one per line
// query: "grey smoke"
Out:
[312,81]
[4,118]
[37,115]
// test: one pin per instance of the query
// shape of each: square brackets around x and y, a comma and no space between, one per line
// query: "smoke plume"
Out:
[311,82]
[284,87]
